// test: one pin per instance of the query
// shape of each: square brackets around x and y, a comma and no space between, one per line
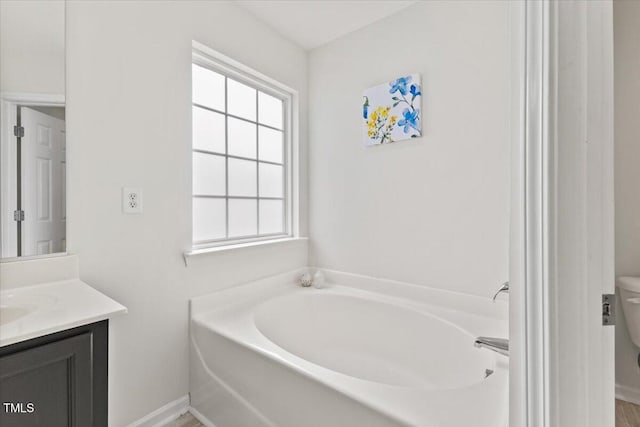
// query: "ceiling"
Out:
[312,23]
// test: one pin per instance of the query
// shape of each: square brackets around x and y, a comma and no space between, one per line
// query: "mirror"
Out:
[32,128]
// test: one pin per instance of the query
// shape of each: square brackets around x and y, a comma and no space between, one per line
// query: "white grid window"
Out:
[239,148]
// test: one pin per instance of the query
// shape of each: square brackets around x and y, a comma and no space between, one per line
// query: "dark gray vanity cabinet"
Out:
[58,380]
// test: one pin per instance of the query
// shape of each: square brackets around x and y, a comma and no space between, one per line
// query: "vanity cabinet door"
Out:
[48,385]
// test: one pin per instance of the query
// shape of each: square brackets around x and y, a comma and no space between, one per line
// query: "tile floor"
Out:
[627,414]
[187,420]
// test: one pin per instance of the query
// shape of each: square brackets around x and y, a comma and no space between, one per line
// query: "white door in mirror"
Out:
[132,200]
[43,183]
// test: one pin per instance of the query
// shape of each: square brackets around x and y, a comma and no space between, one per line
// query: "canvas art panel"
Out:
[391,111]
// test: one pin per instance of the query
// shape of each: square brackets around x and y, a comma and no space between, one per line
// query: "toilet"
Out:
[629,288]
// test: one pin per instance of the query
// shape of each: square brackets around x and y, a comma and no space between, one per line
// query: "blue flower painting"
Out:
[391,111]
[410,120]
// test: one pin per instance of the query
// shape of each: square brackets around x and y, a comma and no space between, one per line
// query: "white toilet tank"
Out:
[629,288]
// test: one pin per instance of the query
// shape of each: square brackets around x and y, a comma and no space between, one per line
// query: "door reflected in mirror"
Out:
[32,128]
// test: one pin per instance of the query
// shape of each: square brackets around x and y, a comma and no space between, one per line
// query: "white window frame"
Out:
[220,63]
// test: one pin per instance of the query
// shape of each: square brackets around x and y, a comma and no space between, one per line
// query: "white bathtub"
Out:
[361,352]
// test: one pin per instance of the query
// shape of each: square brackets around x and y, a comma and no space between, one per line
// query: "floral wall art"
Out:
[391,111]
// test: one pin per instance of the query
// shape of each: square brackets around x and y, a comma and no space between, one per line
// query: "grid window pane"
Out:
[209,219]
[271,183]
[208,130]
[243,217]
[207,87]
[242,138]
[271,216]
[208,174]
[270,145]
[241,100]
[242,178]
[239,159]
[269,110]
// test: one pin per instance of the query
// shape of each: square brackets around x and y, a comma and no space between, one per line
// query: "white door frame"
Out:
[528,363]
[561,364]
[8,145]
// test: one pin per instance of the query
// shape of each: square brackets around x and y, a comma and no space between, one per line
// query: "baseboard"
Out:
[164,415]
[203,420]
[628,394]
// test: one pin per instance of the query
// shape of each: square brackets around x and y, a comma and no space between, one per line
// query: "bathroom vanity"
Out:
[59,379]
[54,343]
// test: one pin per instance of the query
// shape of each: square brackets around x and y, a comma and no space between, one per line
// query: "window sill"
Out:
[240,246]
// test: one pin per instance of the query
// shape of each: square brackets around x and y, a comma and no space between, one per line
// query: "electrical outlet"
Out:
[132,200]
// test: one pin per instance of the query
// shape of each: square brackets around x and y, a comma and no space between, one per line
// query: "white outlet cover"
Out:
[132,200]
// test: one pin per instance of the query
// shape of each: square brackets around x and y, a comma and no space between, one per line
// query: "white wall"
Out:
[627,172]
[129,120]
[32,46]
[434,210]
